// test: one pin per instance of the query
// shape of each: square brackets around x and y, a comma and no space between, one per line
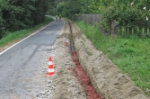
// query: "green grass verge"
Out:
[22,33]
[131,54]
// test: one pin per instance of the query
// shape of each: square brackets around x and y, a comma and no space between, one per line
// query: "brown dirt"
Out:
[107,79]
[67,85]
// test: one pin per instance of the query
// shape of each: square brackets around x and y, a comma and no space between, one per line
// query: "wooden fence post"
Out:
[113,27]
[125,30]
[134,30]
[148,29]
[120,30]
[140,31]
[145,30]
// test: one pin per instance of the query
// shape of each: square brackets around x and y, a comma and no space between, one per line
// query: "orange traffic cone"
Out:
[50,68]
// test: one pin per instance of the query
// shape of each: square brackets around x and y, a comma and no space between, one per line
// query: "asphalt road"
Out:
[22,67]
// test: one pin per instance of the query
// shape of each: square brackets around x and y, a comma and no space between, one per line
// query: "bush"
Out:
[125,14]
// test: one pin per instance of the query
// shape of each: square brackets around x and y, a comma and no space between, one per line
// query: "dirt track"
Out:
[107,79]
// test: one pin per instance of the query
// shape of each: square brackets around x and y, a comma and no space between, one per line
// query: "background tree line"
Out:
[129,13]
[18,14]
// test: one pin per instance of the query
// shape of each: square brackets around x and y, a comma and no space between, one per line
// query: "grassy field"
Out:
[131,54]
[14,36]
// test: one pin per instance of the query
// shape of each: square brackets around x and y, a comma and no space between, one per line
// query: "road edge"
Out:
[24,38]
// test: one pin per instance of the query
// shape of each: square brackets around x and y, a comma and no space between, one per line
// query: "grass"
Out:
[131,54]
[14,36]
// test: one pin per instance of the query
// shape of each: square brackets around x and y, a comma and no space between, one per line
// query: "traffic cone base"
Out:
[49,74]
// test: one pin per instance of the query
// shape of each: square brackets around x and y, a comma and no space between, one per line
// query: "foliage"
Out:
[129,13]
[17,14]
[68,8]
[126,13]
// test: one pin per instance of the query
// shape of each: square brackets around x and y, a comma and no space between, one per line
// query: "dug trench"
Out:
[104,76]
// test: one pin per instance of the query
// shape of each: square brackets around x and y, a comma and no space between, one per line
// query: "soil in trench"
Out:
[106,78]
[66,84]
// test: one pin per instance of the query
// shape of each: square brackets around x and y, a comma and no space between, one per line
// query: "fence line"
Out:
[140,29]
[93,19]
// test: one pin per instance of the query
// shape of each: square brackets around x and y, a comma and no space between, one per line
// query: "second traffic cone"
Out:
[50,68]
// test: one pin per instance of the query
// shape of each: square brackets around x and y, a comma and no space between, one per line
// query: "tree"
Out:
[17,14]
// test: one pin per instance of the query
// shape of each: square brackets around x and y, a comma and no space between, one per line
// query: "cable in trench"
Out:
[79,71]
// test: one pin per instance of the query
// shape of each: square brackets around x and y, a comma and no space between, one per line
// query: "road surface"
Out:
[22,67]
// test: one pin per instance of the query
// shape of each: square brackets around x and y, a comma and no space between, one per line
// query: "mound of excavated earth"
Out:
[107,79]
[66,84]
